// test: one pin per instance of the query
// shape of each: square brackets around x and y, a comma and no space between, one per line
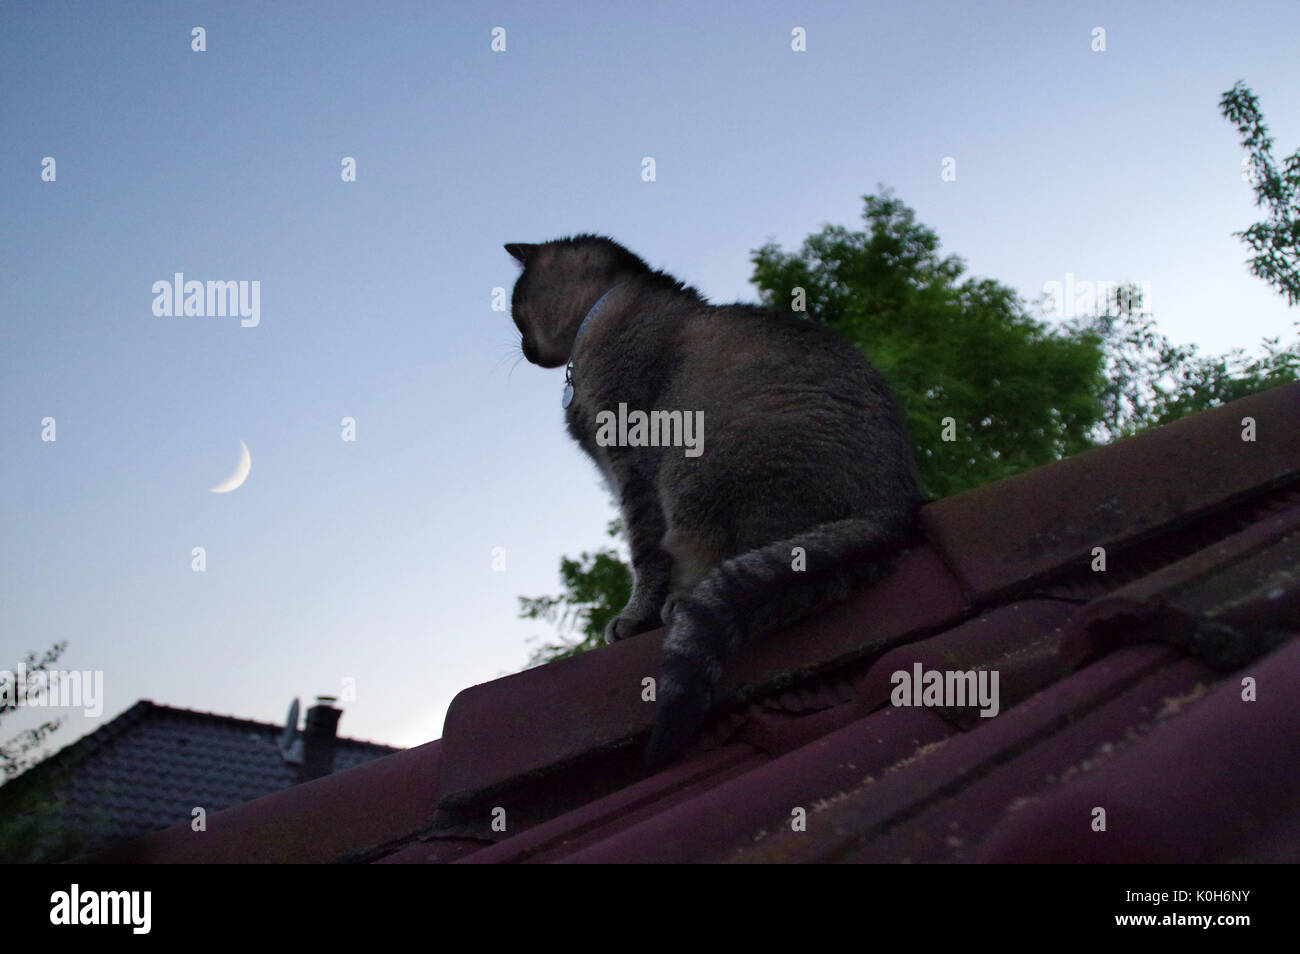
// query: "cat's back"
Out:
[746,357]
[799,429]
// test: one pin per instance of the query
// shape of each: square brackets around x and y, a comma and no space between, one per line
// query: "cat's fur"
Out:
[803,447]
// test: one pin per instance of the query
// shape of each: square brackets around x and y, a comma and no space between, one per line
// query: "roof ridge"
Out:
[274,726]
[109,731]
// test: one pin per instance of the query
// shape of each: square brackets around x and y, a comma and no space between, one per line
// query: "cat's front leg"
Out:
[651,564]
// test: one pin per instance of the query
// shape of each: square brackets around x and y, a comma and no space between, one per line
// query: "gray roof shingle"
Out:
[150,767]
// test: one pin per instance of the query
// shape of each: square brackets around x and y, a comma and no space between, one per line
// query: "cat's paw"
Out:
[683,708]
[627,624]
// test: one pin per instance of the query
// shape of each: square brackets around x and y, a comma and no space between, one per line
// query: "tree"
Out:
[596,587]
[1018,394]
[1141,366]
[30,827]
[1275,241]
[1150,381]
[20,752]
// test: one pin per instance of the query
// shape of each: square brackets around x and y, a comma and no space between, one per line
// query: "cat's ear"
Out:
[522,251]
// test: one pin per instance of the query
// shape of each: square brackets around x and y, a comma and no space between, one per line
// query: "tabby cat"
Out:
[801,486]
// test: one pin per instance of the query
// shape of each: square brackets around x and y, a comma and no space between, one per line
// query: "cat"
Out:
[803,486]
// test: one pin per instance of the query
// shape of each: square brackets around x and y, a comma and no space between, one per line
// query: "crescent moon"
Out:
[240,474]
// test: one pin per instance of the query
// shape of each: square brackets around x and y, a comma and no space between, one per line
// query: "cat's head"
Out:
[561,280]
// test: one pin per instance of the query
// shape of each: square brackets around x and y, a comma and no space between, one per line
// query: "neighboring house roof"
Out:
[1161,690]
[148,769]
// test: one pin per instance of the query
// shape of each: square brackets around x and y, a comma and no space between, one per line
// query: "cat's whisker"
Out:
[512,349]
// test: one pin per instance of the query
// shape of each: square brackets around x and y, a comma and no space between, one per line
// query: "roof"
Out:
[148,768]
[1153,692]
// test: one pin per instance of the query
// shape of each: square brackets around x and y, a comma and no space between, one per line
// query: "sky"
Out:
[366,566]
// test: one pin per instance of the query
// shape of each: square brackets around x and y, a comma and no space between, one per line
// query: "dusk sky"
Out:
[371,559]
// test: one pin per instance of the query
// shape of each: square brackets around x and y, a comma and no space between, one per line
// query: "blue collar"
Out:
[567,399]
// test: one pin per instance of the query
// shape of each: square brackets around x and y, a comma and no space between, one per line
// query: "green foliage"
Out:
[1275,241]
[30,826]
[596,587]
[32,829]
[22,751]
[1020,393]
[1211,380]
[1141,367]
[1151,382]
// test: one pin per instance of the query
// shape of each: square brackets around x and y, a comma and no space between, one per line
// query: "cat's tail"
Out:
[754,593]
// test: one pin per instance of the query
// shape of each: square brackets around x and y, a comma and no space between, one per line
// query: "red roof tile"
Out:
[1215,780]
[551,722]
[1010,534]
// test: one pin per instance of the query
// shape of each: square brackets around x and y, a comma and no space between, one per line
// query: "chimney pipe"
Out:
[318,736]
